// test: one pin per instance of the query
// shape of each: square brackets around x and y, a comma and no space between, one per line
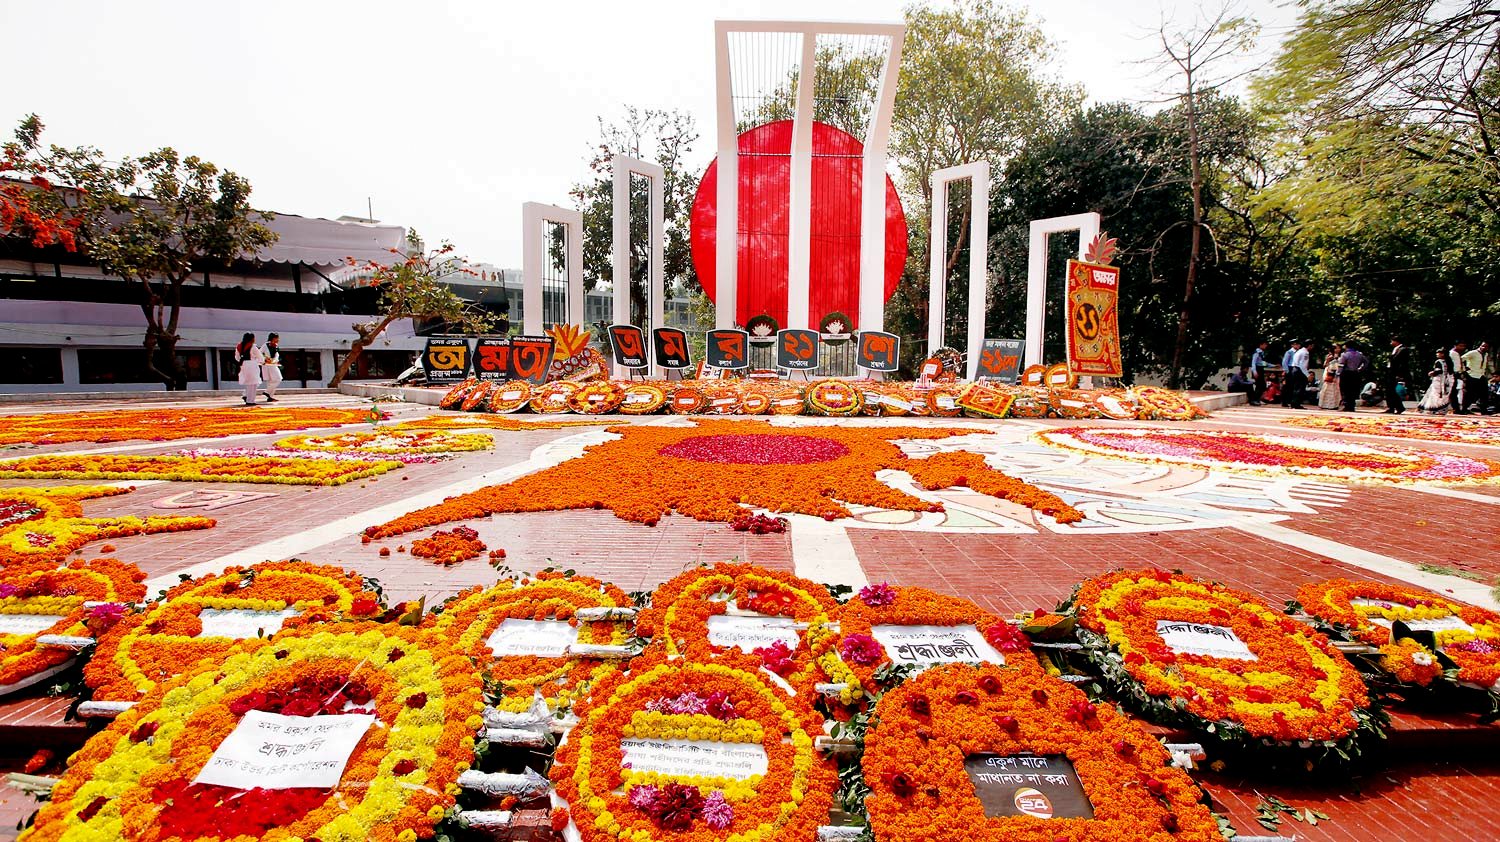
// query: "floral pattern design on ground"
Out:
[45,524]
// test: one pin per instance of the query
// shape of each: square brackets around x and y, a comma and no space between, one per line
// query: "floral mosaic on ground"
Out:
[169,424]
[1427,428]
[46,524]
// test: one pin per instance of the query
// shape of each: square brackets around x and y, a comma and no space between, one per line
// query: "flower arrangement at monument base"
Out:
[169,636]
[34,594]
[447,547]
[264,469]
[1219,661]
[455,395]
[510,396]
[484,422]
[135,780]
[552,398]
[597,398]
[169,424]
[389,441]
[643,398]
[956,731]
[46,524]
[726,710]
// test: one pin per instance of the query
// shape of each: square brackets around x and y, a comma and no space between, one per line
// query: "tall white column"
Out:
[1087,226]
[799,215]
[872,194]
[726,235]
[623,166]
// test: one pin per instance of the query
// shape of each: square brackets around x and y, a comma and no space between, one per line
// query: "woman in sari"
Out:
[1329,396]
[1440,393]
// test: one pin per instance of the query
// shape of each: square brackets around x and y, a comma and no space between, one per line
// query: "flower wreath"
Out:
[685,700]
[552,398]
[914,762]
[1031,402]
[1156,403]
[380,442]
[47,591]
[1059,376]
[597,398]
[1475,651]
[755,401]
[762,327]
[879,605]
[276,470]
[469,619]
[688,400]
[510,396]
[678,621]
[1071,403]
[721,400]
[897,400]
[1116,404]
[643,399]
[942,401]
[455,396]
[1293,686]
[1034,375]
[134,780]
[789,400]
[477,396]
[834,397]
[150,647]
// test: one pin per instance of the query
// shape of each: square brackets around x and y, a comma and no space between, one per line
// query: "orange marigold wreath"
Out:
[552,398]
[510,396]
[455,396]
[687,400]
[598,398]
[643,399]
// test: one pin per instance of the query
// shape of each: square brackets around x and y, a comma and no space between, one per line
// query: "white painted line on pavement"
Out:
[822,552]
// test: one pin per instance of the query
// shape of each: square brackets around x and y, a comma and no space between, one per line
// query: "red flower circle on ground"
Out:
[756,449]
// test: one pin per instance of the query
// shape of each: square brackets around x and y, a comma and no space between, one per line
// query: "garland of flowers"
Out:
[469,619]
[1031,403]
[643,399]
[1071,403]
[882,604]
[455,396]
[134,780]
[485,422]
[722,400]
[46,524]
[914,762]
[1116,404]
[478,396]
[712,469]
[1456,430]
[279,453]
[511,396]
[389,441]
[663,701]
[982,400]
[449,547]
[552,398]
[1156,403]
[942,401]
[1034,375]
[1296,687]
[168,424]
[1475,651]
[688,400]
[1273,454]
[678,621]
[755,401]
[597,398]
[1059,376]
[274,470]
[150,647]
[789,400]
[834,397]
[50,591]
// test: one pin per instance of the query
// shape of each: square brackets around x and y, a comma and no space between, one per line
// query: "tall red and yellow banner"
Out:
[1094,319]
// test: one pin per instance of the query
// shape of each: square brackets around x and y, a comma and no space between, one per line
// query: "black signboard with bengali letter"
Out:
[671,347]
[1000,359]
[1041,786]
[878,351]
[628,345]
[728,349]
[492,358]
[446,360]
[797,349]
[531,358]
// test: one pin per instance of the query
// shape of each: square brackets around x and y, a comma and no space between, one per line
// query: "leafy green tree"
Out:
[410,286]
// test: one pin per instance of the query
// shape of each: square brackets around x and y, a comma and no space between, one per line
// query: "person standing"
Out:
[1328,393]
[1397,372]
[1300,373]
[1258,372]
[270,368]
[248,355]
[1287,361]
[1353,366]
[1440,394]
[1458,399]
[1477,368]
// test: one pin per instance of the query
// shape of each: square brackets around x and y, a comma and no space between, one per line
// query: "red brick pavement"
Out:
[1420,528]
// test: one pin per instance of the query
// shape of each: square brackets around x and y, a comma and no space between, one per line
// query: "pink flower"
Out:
[861,649]
[877,595]
[777,658]
[717,812]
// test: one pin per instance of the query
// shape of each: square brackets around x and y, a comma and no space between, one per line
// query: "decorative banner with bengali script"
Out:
[446,360]
[728,349]
[492,358]
[878,351]
[628,343]
[671,347]
[1000,359]
[797,349]
[531,358]
[1094,319]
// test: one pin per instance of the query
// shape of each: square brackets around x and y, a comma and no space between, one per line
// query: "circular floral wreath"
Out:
[1059,376]
[1156,403]
[477,396]
[1034,375]
[1116,404]
[643,399]
[678,620]
[914,761]
[46,590]
[455,396]
[1366,611]
[721,400]
[134,780]
[686,700]
[552,398]
[510,396]
[1293,685]
[389,441]
[1072,403]
[834,397]
[597,398]
[688,400]
[755,402]
[942,401]
[469,618]
[789,400]
[162,641]
[877,605]
[1030,402]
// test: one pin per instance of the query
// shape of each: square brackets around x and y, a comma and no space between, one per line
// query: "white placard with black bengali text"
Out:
[1203,639]
[25,624]
[695,758]
[751,633]
[1435,624]
[542,638]
[274,751]
[926,646]
[242,623]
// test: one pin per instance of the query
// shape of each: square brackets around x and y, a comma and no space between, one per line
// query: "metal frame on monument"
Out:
[623,167]
[534,254]
[872,205]
[978,174]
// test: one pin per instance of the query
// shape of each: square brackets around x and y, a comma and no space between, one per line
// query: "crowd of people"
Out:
[1460,379]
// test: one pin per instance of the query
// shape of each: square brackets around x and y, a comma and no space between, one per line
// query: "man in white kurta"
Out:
[270,367]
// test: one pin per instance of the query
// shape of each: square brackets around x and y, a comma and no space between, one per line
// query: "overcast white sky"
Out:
[448,115]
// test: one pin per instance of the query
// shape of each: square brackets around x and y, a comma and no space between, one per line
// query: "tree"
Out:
[1195,56]
[410,288]
[152,220]
[42,220]
[665,138]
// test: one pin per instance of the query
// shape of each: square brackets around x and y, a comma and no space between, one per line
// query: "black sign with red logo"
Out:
[531,358]
[1041,786]
[628,344]
[1000,359]
[728,349]
[446,360]
[671,346]
[492,359]
[797,349]
[878,351]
